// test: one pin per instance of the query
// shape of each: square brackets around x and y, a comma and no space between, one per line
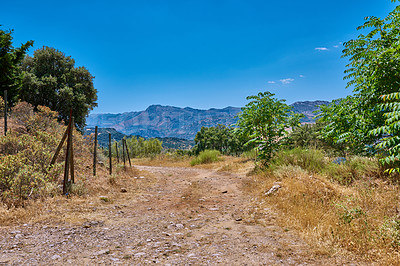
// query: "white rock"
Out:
[179,226]
[273,189]
[56,257]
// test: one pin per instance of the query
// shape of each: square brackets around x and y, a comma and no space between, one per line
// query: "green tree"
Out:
[264,119]
[10,59]
[51,79]
[221,138]
[373,72]
[347,126]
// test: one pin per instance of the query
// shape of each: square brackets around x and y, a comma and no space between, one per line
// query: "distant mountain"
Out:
[308,108]
[164,121]
[183,123]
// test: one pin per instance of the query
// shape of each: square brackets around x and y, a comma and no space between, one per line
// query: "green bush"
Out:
[352,169]
[207,156]
[315,161]
[26,152]
[308,159]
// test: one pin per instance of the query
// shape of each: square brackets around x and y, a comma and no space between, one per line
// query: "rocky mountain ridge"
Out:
[175,122]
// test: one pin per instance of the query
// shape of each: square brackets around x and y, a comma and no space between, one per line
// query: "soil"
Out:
[171,216]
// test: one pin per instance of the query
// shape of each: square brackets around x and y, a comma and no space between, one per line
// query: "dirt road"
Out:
[174,216]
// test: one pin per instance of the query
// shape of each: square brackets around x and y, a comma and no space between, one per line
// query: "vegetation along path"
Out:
[169,215]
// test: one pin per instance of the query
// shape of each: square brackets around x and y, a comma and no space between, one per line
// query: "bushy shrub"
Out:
[354,168]
[207,156]
[26,152]
[343,171]
[308,159]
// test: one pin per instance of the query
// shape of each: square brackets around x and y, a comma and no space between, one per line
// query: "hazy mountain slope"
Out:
[174,122]
[165,121]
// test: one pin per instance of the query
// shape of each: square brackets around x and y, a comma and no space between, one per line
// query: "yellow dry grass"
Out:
[81,206]
[354,220]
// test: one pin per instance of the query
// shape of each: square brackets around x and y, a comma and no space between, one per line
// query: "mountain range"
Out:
[175,122]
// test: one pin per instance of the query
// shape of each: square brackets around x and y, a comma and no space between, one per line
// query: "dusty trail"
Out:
[178,216]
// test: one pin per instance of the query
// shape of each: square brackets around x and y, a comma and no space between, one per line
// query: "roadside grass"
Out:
[345,208]
[79,206]
[206,157]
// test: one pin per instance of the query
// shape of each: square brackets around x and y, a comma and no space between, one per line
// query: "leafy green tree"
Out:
[10,59]
[373,72]
[51,79]
[264,119]
[346,126]
[304,136]
[221,138]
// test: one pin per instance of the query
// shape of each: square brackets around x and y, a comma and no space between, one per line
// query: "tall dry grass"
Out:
[338,208]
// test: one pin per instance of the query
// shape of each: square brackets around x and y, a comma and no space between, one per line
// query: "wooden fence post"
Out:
[5,112]
[109,151]
[59,147]
[66,167]
[116,149]
[127,152]
[95,152]
[123,151]
[71,144]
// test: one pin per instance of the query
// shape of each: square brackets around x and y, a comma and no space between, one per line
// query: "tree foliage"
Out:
[346,126]
[222,139]
[138,147]
[264,119]
[51,79]
[374,61]
[10,59]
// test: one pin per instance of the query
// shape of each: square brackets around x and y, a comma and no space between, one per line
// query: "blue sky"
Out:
[202,54]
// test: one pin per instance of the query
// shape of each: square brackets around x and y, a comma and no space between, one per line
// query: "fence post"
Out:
[127,152]
[123,151]
[5,112]
[109,151]
[116,149]
[66,167]
[59,147]
[71,144]
[95,152]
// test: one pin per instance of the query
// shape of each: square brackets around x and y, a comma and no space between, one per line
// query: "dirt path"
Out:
[178,216]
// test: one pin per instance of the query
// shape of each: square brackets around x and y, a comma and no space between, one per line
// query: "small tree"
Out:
[264,119]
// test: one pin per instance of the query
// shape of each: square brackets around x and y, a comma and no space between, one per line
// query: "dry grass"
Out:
[79,207]
[361,219]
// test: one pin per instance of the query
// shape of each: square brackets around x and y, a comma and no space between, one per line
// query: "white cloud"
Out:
[271,82]
[336,46]
[301,76]
[286,81]
[321,49]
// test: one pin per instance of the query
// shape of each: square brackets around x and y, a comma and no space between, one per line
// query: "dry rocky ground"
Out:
[168,216]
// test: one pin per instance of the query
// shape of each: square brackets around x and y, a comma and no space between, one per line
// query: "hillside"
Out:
[174,122]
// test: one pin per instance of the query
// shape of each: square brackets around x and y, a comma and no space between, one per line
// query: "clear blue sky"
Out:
[202,54]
